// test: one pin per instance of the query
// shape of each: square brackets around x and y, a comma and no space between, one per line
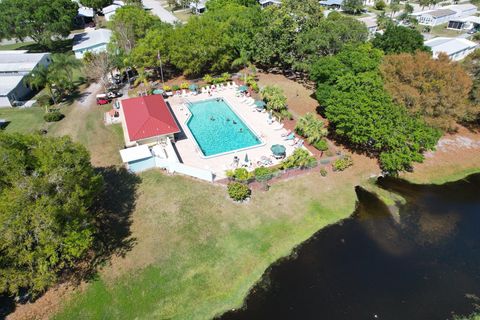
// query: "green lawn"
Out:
[197,253]
[23,120]
[17,46]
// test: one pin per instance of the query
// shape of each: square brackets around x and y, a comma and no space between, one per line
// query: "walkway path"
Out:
[161,12]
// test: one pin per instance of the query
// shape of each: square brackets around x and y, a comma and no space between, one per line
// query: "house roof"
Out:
[449,46]
[331,2]
[91,39]
[19,61]
[8,83]
[147,117]
[135,153]
[441,13]
[113,7]
[85,12]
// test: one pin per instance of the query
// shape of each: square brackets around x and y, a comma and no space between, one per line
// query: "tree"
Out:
[352,6]
[49,78]
[67,64]
[397,39]
[96,4]
[472,66]
[362,113]
[130,24]
[43,21]
[436,89]
[98,66]
[327,38]
[380,5]
[47,188]
[311,128]
[274,97]
[394,7]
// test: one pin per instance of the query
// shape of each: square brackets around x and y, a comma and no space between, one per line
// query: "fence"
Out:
[284,174]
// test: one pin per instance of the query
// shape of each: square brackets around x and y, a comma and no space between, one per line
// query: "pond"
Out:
[425,265]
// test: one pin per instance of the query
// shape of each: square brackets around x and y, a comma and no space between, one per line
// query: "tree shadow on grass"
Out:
[113,208]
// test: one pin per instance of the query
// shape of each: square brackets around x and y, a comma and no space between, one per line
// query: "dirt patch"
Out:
[47,304]
[456,154]
[300,100]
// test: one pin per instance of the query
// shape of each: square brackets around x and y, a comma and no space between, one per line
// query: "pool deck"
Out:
[257,121]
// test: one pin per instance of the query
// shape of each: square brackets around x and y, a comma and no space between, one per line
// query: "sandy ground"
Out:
[455,156]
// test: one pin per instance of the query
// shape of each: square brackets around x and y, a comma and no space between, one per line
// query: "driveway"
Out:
[161,12]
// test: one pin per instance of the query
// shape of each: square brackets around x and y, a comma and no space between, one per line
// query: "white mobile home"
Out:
[15,65]
[91,41]
[455,48]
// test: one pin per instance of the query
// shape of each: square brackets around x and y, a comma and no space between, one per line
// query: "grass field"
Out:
[197,253]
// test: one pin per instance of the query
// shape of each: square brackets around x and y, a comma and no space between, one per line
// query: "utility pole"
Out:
[161,68]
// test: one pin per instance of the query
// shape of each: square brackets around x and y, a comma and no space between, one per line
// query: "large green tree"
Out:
[47,188]
[96,4]
[361,112]
[43,21]
[130,24]
[398,39]
[352,6]
[327,38]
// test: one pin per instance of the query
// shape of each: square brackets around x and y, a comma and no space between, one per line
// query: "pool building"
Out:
[201,135]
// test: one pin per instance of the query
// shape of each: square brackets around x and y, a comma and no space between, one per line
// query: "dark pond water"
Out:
[371,267]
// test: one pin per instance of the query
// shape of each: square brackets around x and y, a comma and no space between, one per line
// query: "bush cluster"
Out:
[342,164]
[321,145]
[238,191]
[240,174]
[53,116]
[300,158]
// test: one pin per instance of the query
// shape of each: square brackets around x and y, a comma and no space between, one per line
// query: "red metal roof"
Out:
[148,116]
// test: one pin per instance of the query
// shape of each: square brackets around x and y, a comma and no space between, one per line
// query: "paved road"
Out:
[161,12]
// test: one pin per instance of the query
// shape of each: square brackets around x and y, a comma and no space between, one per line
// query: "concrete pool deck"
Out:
[257,121]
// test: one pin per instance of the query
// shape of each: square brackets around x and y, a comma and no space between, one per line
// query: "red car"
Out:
[102,101]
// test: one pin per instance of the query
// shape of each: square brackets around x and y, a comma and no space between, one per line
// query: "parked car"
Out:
[114,94]
[102,101]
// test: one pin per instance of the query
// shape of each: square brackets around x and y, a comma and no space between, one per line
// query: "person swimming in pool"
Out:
[241,130]
[212,118]
[234,122]
[228,119]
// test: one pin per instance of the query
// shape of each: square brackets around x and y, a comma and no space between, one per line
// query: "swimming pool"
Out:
[218,129]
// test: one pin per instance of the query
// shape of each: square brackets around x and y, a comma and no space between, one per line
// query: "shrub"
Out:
[321,145]
[329,153]
[225,76]
[238,191]
[208,79]
[53,116]
[184,85]
[299,159]
[167,88]
[44,100]
[380,5]
[323,172]
[240,174]
[263,173]
[342,164]
[175,87]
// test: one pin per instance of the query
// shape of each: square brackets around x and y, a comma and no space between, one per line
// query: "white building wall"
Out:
[96,49]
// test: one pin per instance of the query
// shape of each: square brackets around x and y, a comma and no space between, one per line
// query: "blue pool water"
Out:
[142,164]
[217,129]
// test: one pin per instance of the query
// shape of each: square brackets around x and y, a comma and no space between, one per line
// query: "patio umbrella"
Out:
[243,88]
[260,104]
[193,87]
[246,158]
[157,91]
[278,149]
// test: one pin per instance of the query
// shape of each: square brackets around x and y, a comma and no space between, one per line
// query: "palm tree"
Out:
[66,63]
[311,128]
[43,77]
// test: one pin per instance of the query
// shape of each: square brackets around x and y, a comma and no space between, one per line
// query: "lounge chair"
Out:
[184,93]
[294,142]
[291,136]
[264,161]
[299,144]
[204,90]
[286,133]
